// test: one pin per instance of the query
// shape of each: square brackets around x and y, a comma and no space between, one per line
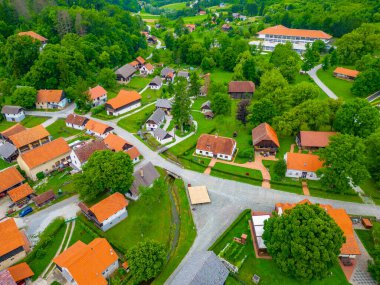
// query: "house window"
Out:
[225,156]
[200,151]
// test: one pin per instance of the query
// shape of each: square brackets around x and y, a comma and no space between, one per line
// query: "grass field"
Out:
[134,122]
[80,233]
[256,174]
[194,19]
[57,180]
[59,129]
[221,76]
[175,6]
[371,189]
[138,82]
[147,16]
[285,143]
[4,164]
[28,122]
[266,269]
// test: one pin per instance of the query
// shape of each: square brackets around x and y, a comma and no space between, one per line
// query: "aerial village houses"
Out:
[14,244]
[345,73]
[45,158]
[125,73]
[12,131]
[301,165]
[82,152]
[76,122]
[152,40]
[162,136]
[241,89]
[83,264]
[97,129]
[13,113]
[226,27]
[310,140]
[35,36]
[165,105]
[257,227]
[155,120]
[16,275]
[206,106]
[143,177]
[299,38]
[147,69]
[108,212]
[124,101]
[10,178]
[30,138]
[116,143]
[264,139]
[21,194]
[168,74]
[156,83]
[216,146]
[51,99]
[98,96]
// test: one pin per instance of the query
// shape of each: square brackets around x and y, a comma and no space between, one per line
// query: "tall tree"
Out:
[290,237]
[366,83]
[24,97]
[326,62]
[311,58]
[242,111]
[344,161]
[181,104]
[195,85]
[262,111]
[373,155]
[107,78]
[287,60]
[221,104]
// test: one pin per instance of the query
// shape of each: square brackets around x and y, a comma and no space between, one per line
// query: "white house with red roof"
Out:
[98,96]
[216,146]
[147,69]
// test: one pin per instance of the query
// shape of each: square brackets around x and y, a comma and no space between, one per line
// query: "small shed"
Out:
[367,223]
[199,195]
[44,198]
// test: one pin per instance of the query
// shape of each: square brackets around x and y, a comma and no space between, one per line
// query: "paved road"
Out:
[313,74]
[58,114]
[373,96]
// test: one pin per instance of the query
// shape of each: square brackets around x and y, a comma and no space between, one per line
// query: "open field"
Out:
[194,19]
[138,82]
[221,76]
[175,6]
[59,129]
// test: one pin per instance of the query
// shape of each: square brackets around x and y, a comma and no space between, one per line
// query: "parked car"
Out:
[25,211]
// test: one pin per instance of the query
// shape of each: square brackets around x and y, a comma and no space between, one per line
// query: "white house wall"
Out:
[114,219]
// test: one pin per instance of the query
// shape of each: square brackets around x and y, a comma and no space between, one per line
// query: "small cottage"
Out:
[162,136]
[76,122]
[13,113]
[155,120]
[124,102]
[51,99]
[156,83]
[241,89]
[98,95]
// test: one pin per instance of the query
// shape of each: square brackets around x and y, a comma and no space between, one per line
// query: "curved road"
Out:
[313,74]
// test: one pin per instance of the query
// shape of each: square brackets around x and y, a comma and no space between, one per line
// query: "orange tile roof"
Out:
[134,63]
[97,127]
[284,31]
[33,35]
[140,59]
[10,236]
[10,177]
[13,130]
[44,96]
[20,272]
[115,142]
[342,219]
[303,161]
[28,136]
[149,66]
[86,263]
[315,139]
[346,71]
[124,98]
[109,206]
[20,192]
[96,92]
[216,144]
[264,132]
[46,153]
[192,26]
[133,152]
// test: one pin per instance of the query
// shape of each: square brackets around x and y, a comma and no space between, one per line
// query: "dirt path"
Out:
[305,189]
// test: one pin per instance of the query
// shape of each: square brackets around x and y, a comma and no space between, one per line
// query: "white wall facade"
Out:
[293,173]
[125,110]
[75,160]
[155,87]
[111,269]
[15,117]
[164,141]
[219,155]
[114,219]
[100,100]
[75,126]
[151,127]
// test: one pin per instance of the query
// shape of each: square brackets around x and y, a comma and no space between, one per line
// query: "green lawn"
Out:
[371,189]
[256,174]
[175,6]
[28,122]
[266,269]
[81,233]
[134,122]
[221,76]
[340,87]
[150,96]
[4,164]
[366,238]
[237,174]
[285,143]
[59,129]
[58,180]
[148,16]
[335,196]
[194,19]
[5,125]
[138,82]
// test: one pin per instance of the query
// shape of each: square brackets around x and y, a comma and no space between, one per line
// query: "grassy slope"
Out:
[175,6]
[28,122]
[133,123]
[81,234]
[59,129]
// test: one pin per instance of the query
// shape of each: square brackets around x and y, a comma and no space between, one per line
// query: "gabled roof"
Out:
[161,134]
[7,109]
[83,152]
[126,70]
[44,96]
[303,161]
[140,60]
[34,35]
[75,119]
[166,70]
[284,31]
[157,117]
[96,92]
[20,272]
[156,81]
[163,103]
[241,87]
[133,152]
[86,263]
[116,143]
[44,197]
[206,105]
[144,176]
[202,268]
[315,139]
[347,72]
[216,144]
[20,192]
[149,66]
[97,127]
[10,236]
[13,130]
[46,152]
[134,63]
[264,132]
[9,178]
[28,136]
[124,98]
[109,206]
[183,74]
[7,150]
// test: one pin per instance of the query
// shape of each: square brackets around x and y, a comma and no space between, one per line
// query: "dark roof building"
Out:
[161,134]
[156,81]
[206,106]
[44,198]
[241,89]
[166,71]
[8,151]
[7,109]
[157,117]
[125,72]
[164,104]
[144,177]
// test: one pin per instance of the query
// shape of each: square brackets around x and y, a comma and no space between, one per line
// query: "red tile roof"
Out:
[20,272]
[140,60]
[97,127]
[84,152]
[34,35]
[284,31]
[96,92]
[28,136]
[109,206]
[10,236]
[20,192]
[315,139]
[241,87]
[9,178]
[216,144]
[13,130]
[76,120]
[116,143]
[124,98]
[264,132]
[149,66]
[133,152]
[44,96]
[346,71]
[303,162]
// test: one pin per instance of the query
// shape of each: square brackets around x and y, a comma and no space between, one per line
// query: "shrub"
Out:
[40,175]
[97,110]
[245,153]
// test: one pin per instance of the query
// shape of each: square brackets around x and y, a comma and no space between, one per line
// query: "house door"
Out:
[304,174]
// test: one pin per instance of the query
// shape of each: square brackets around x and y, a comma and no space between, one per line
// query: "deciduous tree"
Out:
[221,104]
[242,111]
[107,78]
[195,85]
[373,155]
[24,97]
[181,104]
[366,83]
[262,111]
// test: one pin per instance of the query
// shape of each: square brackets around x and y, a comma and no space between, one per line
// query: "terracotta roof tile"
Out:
[28,136]
[303,161]
[76,120]
[86,263]
[149,66]
[83,152]
[284,31]
[133,152]
[20,192]
[13,130]
[44,96]
[264,132]
[315,139]
[97,127]
[109,206]
[9,178]
[241,87]
[124,98]
[140,59]
[96,92]
[33,35]
[346,71]
[45,153]
[116,143]
[216,144]
[10,236]
[20,272]
[134,63]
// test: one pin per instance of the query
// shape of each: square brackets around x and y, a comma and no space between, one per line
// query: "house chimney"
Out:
[142,173]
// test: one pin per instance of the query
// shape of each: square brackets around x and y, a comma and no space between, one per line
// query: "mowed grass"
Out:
[341,88]
[247,172]
[4,164]
[59,129]
[58,180]
[147,16]
[134,122]
[221,76]
[372,190]
[80,233]
[194,19]
[28,122]
[138,82]
[175,6]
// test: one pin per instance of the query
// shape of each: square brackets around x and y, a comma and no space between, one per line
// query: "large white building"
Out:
[270,37]
[302,165]
[216,147]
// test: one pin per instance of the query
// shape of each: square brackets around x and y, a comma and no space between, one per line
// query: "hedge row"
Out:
[236,174]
